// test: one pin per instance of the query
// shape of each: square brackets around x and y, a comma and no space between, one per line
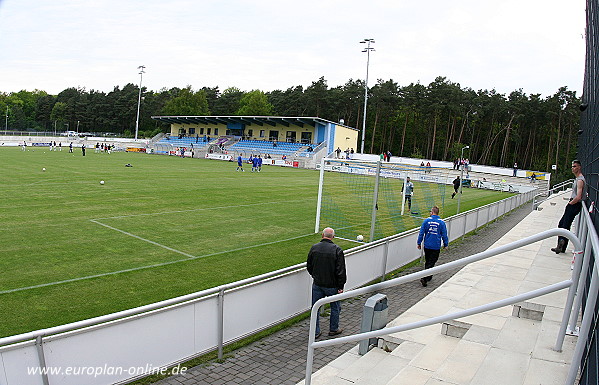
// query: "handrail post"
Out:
[584,327]
[570,300]
[42,359]
[220,321]
[581,284]
[311,338]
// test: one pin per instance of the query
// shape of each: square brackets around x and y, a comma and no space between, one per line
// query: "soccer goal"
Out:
[368,199]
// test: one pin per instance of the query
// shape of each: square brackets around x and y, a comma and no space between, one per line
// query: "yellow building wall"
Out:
[222,129]
[345,138]
[256,128]
[282,132]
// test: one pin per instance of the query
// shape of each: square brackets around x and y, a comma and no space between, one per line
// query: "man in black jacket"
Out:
[326,265]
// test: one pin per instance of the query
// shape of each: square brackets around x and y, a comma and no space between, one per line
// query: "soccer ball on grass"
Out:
[360,238]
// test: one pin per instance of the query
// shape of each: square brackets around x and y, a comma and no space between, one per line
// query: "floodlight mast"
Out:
[367,50]
[141,74]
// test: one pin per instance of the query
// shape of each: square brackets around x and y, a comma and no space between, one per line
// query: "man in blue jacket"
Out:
[433,230]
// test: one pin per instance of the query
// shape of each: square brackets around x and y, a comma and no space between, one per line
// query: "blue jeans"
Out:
[319,292]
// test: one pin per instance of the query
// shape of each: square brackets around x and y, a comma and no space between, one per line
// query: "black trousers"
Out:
[570,213]
[431,256]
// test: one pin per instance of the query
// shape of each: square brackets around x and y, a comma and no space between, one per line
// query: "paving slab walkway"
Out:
[281,357]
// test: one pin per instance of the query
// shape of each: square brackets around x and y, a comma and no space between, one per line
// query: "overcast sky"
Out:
[535,45]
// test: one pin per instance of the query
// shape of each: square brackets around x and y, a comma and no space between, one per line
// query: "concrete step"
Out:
[375,367]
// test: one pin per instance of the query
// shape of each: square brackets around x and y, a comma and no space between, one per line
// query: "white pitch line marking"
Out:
[148,266]
[143,239]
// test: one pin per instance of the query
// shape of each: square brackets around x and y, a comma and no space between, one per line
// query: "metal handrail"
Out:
[571,284]
[587,229]
[551,192]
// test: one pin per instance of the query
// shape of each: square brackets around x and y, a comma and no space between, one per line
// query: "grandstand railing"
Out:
[174,331]
[587,236]
[558,188]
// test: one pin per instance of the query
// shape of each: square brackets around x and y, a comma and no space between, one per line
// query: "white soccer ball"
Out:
[43,169]
[101,182]
[360,238]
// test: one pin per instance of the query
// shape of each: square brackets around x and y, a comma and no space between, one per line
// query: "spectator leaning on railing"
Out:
[579,192]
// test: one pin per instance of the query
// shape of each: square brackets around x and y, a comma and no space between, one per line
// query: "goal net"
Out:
[369,199]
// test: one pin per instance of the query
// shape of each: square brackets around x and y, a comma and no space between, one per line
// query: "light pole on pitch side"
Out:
[367,50]
[141,75]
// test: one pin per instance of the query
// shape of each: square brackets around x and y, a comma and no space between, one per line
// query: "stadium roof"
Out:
[258,120]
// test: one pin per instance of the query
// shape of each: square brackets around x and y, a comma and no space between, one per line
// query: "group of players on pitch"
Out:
[256,162]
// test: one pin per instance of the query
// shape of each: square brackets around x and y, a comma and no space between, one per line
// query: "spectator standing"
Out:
[515,168]
[579,193]
[326,265]
[83,149]
[433,231]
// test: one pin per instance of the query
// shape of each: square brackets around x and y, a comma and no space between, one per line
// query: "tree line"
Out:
[433,121]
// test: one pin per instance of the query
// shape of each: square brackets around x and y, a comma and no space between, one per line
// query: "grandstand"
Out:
[262,147]
[301,137]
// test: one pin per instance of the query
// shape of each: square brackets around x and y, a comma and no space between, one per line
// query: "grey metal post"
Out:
[319,203]
[464,230]
[385,257]
[581,284]
[220,321]
[570,300]
[375,199]
[584,328]
[42,359]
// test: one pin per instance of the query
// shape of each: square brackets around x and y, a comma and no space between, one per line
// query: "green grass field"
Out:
[75,249]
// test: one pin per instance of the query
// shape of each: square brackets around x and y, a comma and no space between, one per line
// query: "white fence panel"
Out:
[206,321]
[257,306]
[471,224]
[455,227]
[148,341]
[483,216]
[364,266]
[14,364]
[402,251]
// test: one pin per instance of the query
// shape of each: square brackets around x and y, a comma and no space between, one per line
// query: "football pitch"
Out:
[73,248]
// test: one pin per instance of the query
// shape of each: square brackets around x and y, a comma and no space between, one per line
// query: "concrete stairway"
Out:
[511,345]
